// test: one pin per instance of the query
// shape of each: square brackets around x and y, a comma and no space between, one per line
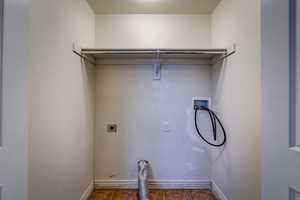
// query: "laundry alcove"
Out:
[136,66]
[147,95]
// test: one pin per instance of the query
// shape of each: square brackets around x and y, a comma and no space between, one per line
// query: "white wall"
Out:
[61,101]
[14,146]
[153,31]
[236,96]
[127,95]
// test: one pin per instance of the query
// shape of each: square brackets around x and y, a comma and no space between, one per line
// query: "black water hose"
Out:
[214,121]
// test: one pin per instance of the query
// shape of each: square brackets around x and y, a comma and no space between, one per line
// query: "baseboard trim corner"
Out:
[88,191]
[218,192]
[154,184]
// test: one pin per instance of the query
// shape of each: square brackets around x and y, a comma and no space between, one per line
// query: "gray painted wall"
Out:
[14,150]
[280,164]
[127,95]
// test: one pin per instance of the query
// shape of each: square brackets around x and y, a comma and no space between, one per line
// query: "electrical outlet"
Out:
[112,128]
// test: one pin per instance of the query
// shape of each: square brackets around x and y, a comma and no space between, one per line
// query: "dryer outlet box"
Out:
[112,128]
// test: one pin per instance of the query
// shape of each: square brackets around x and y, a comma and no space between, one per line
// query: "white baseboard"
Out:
[154,184]
[115,184]
[218,192]
[180,184]
[88,191]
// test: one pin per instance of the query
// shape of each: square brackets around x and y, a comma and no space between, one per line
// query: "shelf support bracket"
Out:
[77,51]
[157,67]
[226,55]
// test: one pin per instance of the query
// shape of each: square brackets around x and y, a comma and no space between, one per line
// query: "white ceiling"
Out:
[153,6]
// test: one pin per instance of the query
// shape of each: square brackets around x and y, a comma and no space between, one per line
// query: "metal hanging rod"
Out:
[216,55]
[153,51]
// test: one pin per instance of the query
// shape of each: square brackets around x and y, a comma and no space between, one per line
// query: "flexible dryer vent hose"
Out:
[143,175]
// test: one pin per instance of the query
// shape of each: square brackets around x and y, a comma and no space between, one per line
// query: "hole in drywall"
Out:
[112,128]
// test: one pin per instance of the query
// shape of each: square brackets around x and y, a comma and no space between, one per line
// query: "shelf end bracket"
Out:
[226,55]
[77,50]
[157,67]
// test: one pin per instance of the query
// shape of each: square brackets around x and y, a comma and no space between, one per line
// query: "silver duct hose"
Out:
[143,167]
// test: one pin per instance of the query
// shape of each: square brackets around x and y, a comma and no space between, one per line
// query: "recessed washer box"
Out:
[201,101]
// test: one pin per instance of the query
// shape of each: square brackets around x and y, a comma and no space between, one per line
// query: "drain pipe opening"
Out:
[143,175]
